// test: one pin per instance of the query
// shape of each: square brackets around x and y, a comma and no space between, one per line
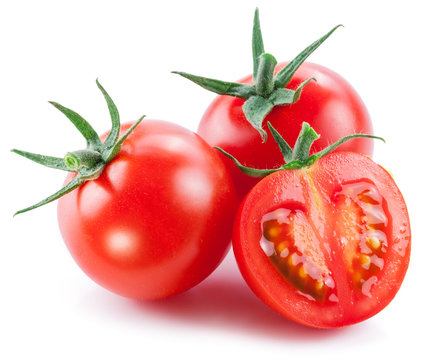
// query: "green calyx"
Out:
[268,90]
[298,157]
[88,163]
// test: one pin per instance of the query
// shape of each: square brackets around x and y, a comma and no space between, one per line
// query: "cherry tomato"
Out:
[327,245]
[330,105]
[158,220]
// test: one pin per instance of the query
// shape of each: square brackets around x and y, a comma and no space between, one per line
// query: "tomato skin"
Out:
[159,218]
[331,106]
[289,187]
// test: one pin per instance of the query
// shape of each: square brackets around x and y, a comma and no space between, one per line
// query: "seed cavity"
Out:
[360,226]
[363,236]
[292,246]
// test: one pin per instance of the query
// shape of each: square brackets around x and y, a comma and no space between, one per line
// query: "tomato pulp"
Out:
[330,105]
[158,220]
[328,245]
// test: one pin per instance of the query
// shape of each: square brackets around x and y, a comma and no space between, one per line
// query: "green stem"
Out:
[304,142]
[82,158]
[265,76]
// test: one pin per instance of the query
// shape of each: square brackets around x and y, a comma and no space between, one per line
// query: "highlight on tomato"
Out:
[324,239]
[286,95]
[147,209]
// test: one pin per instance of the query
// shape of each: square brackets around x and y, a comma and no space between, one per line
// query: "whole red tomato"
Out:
[147,209]
[158,220]
[286,95]
[330,105]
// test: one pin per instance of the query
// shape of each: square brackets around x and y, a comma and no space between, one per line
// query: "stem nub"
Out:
[304,142]
[82,158]
[265,76]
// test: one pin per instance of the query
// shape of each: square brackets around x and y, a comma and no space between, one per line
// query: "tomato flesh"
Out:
[326,246]
[362,230]
[292,245]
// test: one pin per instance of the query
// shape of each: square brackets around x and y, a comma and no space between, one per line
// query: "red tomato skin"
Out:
[158,220]
[288,187]
[331,106]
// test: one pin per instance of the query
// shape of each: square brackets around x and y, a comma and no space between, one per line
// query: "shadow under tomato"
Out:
[225,302]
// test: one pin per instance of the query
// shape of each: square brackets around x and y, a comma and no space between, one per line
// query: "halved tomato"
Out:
[326,245]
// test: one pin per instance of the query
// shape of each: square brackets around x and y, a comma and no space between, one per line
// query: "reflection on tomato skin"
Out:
[158,220]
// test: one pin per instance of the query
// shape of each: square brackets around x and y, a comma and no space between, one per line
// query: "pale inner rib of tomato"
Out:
[359,227]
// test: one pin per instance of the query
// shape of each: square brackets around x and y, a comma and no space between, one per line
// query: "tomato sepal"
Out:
[88,163]
[242,91]
[48,161]
[299,157]
[283,77]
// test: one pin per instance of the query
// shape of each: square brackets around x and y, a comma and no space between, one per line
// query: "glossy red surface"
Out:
[158,220]
[331,106]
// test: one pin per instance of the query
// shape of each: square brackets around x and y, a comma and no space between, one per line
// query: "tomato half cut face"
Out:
[326,246]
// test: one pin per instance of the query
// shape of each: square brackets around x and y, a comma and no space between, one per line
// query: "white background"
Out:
[54,50]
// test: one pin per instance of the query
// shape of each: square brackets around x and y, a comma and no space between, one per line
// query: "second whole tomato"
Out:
[286,95]
[330,105]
